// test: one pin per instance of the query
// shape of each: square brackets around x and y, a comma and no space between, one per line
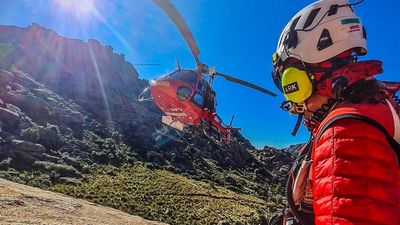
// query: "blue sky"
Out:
[238,37]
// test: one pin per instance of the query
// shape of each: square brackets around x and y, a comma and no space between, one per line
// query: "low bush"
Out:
[30,134]
[62,170]
[5,164]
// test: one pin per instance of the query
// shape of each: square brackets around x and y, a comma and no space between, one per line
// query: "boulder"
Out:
[70,181]
[48,138]
[5,77]
[27,150]
[34,107]
[43,93]
[9,118]
[24,123]
[51,158]
[2,104]
[17,87]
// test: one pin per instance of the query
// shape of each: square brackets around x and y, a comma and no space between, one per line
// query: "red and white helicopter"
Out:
[186,97]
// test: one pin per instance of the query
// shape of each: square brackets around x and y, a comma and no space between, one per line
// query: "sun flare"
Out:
[84,10]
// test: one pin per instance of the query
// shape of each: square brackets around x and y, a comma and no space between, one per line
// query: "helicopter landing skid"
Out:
[166,134]
[212,133]
[142,96]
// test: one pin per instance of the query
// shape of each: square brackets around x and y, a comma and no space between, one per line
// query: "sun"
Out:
[83,10]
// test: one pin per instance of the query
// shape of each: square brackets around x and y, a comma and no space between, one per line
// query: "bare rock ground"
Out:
[21,204]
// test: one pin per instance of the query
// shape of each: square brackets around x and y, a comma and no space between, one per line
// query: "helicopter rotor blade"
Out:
[180,23]
[245,83]
[147,64]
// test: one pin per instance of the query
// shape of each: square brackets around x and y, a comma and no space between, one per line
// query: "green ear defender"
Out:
[297,85]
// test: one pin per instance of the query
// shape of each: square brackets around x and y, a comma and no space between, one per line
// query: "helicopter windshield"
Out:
[175,75]
[187,76]
[190,77]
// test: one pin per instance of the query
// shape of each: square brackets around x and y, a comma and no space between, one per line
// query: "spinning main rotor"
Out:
[180,23]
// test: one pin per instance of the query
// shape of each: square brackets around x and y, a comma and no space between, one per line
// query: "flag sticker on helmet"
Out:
[290,88]
[351,25]
[350,20]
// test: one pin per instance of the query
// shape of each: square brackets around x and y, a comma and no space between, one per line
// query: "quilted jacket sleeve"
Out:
[356,179]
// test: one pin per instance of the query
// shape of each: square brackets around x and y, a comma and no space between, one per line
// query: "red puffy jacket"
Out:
[355,173]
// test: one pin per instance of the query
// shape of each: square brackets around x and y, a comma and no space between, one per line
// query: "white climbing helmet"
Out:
[321,31]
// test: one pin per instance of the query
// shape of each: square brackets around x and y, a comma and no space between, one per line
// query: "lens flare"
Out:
[84,10]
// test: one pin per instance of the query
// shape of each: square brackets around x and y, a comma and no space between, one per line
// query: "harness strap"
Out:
[394,144]
[303,218]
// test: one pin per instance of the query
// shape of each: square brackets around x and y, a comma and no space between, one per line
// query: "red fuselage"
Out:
[184,95]
[165,96]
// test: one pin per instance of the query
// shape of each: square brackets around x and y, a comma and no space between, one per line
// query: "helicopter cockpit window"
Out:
[198,99]
[190,77]
[183,93]
[202,86]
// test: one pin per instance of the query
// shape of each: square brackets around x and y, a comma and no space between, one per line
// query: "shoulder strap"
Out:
[395,145]
[303,218]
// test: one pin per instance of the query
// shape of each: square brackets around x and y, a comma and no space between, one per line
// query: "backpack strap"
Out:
[302,217]
[395,145]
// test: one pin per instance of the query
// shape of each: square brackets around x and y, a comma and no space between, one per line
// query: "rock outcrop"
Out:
[90,74]
[21,204]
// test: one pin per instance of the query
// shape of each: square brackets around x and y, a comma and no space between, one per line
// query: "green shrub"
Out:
[5,164]
[108,150]
[62,170]
[117,137]
[45,136]
[278,189]
[72,162]
[100,157]
[5,175]
[49,138]
[230,180]
[53,128]
[30,134]
[41,181]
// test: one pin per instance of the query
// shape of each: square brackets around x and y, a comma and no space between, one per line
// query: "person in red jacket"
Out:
[348,173]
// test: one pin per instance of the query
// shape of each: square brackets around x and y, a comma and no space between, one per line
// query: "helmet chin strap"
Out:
[301,108]
[296,108]
[298,123]
[299,120]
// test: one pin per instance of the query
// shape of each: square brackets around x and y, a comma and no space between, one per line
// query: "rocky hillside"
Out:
[87,73]
[69,109]
[21,204]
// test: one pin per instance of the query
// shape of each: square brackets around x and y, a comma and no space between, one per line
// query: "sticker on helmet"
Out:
[290,88]
[354,28]
[350,20]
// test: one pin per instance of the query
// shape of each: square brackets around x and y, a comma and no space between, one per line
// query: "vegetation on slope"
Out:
[168,197]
